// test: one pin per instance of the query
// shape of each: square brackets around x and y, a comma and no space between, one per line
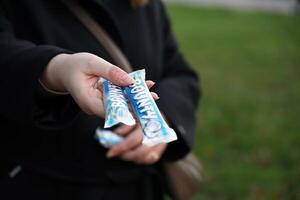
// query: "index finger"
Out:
[114,74]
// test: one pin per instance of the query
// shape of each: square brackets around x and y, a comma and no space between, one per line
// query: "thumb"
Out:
[114,74]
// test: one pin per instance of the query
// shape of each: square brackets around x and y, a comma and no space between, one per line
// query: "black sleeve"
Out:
[179,94]
[21,65]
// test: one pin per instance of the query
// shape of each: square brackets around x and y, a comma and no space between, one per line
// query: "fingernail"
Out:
[155,95]
[127,80]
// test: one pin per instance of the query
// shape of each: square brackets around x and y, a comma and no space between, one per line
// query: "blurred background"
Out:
[248,55]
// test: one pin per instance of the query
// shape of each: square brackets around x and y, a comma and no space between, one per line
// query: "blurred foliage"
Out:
[248,128]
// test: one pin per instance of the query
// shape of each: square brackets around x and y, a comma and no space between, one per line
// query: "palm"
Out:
[90,93]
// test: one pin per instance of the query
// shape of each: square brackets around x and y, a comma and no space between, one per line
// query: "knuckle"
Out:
[125,157]
[123,129]
[122,148]
[115,73]
[130,157]
[116,149]
[91,62]
[119,149]
[136,140]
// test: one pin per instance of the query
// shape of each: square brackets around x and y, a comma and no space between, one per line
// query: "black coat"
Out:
[49,134]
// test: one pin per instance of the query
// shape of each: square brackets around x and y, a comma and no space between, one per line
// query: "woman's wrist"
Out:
[50,79]
[48,90]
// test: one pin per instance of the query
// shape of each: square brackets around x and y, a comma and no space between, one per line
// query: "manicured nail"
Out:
[132,83]
[155,96]
[151,84]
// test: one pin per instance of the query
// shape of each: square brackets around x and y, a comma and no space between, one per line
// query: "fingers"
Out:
[133,140]
[150,84]
[135,155]
[155,96]
[119,77]
[99,67]
[153,155]
[124,129]
[131,149]
[144,155]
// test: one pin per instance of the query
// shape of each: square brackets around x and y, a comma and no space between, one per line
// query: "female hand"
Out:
[132,149]
[78,74]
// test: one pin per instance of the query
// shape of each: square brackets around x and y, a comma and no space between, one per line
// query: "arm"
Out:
[23,63]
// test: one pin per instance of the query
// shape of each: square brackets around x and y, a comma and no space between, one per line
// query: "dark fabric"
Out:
[49,134]
[28,185]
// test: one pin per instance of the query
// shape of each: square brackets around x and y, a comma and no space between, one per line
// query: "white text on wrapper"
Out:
[142,100]
[116,96]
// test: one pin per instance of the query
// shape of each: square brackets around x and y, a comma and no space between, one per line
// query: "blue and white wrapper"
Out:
[155,128]
[116,107]
[107,138]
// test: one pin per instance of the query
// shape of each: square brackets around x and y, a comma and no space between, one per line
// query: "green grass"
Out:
[248,133]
